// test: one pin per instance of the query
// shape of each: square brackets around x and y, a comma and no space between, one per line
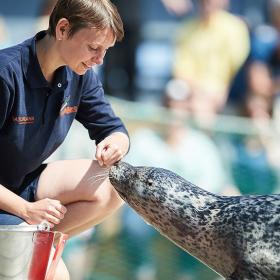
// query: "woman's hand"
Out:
[49,210]
[112,149]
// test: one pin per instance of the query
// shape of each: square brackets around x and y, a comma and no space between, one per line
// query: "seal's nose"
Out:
[122,165]
[121,172]
[116,172]
[113,174]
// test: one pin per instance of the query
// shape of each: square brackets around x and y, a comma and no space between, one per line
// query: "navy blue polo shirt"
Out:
[35,115]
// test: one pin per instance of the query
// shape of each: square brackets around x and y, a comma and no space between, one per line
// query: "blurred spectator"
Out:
[264,58]
[256,101]
[211,48]
[266,52]
[253,163]
[264,37]
[178,7]
[257,157]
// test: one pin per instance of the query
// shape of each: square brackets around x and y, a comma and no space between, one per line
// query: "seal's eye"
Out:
[150,182]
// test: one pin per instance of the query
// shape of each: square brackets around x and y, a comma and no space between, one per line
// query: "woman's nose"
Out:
[98,59]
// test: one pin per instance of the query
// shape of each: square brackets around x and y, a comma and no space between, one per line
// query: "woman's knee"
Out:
[108,197]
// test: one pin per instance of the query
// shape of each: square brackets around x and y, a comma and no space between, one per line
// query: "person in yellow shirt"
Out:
[210,49]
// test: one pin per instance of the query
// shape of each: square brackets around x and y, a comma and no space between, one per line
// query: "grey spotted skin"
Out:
[238,237]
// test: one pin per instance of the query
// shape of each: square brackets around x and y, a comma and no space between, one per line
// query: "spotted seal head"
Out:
[238,237]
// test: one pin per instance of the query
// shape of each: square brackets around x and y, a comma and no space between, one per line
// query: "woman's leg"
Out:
[84,188]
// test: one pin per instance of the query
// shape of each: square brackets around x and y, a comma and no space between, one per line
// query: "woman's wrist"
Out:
[24,209]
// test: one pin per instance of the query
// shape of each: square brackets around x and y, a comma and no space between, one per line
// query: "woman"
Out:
[46,82]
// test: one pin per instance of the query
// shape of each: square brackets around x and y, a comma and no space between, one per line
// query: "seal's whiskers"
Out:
[98,177]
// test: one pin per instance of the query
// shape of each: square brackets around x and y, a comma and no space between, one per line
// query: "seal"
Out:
[236,236]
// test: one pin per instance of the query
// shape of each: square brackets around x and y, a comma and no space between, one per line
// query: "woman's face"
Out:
[85,49]
[207,7]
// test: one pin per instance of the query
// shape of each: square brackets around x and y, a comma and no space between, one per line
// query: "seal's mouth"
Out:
[119,178]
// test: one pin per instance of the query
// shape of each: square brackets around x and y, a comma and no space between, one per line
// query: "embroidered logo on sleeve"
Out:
[23,119]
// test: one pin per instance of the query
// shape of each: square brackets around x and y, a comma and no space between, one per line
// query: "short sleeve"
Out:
[95,112]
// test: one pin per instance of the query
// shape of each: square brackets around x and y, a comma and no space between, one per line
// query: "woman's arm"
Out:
[49,210]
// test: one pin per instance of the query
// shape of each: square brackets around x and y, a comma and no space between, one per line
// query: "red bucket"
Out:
[43,241]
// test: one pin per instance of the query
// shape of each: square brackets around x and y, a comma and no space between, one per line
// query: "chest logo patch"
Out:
[68,110]
[23,119]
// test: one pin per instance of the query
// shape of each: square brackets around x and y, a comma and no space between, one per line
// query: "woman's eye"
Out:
[92,49]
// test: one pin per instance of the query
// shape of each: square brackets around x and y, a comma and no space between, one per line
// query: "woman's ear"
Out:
[62,28]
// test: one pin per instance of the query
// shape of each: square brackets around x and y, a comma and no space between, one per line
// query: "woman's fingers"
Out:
[55,211]
[59,207]
[110,155]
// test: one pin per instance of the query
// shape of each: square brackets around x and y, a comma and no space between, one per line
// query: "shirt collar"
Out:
[32,70]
